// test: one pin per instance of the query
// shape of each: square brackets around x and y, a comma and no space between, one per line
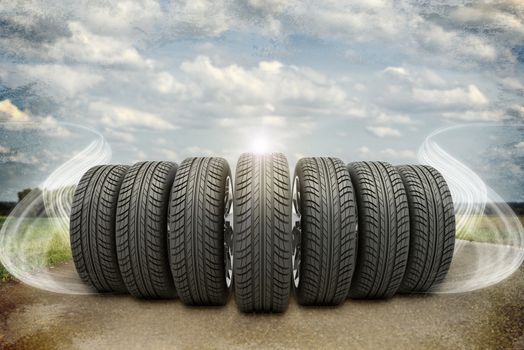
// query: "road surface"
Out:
[489,318]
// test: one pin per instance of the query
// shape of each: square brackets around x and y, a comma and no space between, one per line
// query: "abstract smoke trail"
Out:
[18,235]
[475,265]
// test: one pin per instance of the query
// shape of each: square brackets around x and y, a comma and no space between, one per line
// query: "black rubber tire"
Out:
[92,228]
[262,238]
[198,234]
[383,230]
[141,229]
[432,227]
[327,231]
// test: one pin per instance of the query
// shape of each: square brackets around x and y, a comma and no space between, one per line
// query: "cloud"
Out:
[501,15]
[87,47]
[63,78]
[116,116]
[471,116]
[10,113]
[22,158]
[127,17]
[383,131]
[384,118]
[165,83]
[269,82]
[12,118]
[511,83]
[396,71]
[470,96]
[170,154]
[120,136]
[274,120]
[389,154]
[400,154]
[363,151]
[456,44]
[198,151]
[269,93]
[4,149]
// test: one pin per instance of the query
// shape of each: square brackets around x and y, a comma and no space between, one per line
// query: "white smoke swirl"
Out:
[475,265]
[24,248]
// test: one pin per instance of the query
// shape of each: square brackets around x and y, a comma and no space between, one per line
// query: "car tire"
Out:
[383,230]
[92,228]
[200,231]
[262,237]
[432,228]
[141,229]
[325,238]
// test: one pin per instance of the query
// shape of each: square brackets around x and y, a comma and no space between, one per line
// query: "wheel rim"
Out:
[297,232]
[228,231]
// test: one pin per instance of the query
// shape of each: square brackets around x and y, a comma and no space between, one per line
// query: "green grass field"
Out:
[41,232]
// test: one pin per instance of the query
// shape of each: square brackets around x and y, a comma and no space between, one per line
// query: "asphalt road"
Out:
[489,318]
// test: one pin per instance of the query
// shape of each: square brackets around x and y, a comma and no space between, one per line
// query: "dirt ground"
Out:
[488,318]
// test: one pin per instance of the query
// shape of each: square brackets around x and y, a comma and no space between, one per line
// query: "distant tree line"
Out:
[36,210]
[517,207]
[7,207]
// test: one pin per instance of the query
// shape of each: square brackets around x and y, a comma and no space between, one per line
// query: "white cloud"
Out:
[20,157]
[383,131]
[194,151]
[512,83]
[10,113]
[453,43]
[470,116]
[85,46]
[470,96]
[121,136]
[274,120]
[15,119]
[384,118]
[399,154]
[124,16]
[116,116]
[4,149]
[170,154]
[269,82]
[363,151]
[356,111]
[166,83]
[520,145]
[64,78]
[52,127]
[396,71]
[357,22]
[486,14]
[518,110]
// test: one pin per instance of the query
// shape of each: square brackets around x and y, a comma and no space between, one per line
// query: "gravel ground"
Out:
[489,318]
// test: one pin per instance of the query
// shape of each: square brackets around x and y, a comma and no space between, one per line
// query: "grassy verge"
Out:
[487,229]
[40,235]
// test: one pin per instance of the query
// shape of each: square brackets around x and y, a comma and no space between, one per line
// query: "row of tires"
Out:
[333,231]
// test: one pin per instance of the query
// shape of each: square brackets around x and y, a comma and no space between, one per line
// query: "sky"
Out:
[165,80]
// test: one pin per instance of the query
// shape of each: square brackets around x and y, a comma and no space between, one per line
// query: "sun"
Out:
[260,145]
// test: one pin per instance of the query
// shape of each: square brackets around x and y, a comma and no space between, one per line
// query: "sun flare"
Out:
[260,145]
